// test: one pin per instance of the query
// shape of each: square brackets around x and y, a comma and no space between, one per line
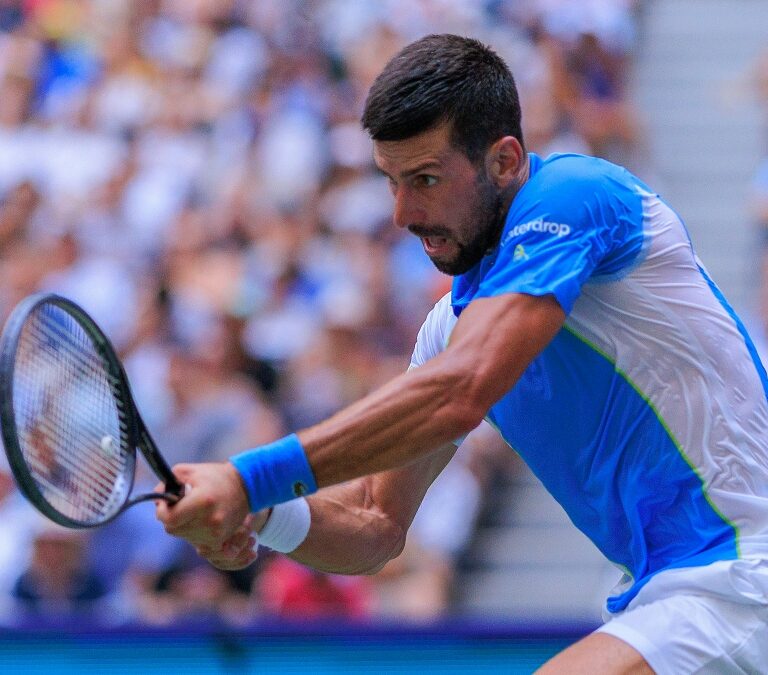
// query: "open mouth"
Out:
[434,244]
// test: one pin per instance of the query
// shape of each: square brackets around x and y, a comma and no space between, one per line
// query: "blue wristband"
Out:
[275,473]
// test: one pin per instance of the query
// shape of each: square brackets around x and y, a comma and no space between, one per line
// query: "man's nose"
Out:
[406,211]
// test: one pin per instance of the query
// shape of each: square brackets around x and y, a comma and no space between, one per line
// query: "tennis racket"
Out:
[69,423]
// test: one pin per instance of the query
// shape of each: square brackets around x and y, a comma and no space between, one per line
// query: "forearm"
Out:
[401,422]
[357,527]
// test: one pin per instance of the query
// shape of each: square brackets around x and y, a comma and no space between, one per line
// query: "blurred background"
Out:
[194,174]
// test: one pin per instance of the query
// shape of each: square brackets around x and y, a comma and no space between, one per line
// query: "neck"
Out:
[523,174]
[510,192]
[505,199]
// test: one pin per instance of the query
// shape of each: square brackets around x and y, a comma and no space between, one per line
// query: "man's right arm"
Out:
[356,527]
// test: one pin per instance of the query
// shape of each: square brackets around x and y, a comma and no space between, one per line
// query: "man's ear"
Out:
[504,161]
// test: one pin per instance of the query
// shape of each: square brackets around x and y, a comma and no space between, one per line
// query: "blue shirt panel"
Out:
[576,217]
[600,450]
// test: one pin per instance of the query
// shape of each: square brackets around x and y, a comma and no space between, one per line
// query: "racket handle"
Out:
[172,485]
[152,496]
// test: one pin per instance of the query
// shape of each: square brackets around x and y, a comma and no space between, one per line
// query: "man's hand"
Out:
[239,550]
[235,553]
[212,512]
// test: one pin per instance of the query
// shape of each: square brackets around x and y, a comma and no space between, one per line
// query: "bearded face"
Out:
[457,249]
[454,206]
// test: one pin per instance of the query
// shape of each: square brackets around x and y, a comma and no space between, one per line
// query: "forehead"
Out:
[429,147]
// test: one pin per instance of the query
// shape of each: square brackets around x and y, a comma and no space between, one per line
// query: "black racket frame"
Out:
[138,435]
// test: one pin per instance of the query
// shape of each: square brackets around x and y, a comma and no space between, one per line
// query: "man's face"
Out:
[442,198]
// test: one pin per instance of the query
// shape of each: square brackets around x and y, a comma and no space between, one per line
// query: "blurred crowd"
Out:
[194,174]
[758,81]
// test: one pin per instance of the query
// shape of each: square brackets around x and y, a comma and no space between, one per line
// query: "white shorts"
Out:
[712,619]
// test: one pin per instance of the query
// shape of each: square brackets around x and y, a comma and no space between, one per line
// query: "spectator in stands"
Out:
[189,591]
[293,591]
[19,521]
[59,584]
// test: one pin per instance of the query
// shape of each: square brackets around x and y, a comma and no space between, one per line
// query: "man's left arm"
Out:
[491,345]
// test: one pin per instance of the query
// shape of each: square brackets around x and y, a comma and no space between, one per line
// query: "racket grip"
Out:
[174,487]
[157,462]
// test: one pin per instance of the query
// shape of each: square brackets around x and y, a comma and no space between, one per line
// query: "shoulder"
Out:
[568,184]
[574,172]
[581,201]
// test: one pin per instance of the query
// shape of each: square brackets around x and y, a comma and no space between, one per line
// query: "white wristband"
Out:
[287,526]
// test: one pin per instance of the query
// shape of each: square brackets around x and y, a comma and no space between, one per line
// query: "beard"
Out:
[477,234]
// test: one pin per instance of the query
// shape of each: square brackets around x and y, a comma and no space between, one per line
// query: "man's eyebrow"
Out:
[428,164]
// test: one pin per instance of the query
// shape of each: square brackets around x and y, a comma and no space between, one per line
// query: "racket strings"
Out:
[72,429]
[82,373]
[55,442]
[62,440]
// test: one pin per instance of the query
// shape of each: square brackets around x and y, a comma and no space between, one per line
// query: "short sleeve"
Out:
[434,332]
[577,218]
[433,337]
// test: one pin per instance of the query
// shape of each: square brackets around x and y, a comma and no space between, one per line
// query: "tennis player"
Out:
[582,326]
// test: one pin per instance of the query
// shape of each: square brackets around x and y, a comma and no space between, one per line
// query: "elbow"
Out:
[465,399]
[391,543]
[465,414]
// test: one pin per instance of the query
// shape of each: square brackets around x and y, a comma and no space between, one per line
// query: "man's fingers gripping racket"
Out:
[237,552]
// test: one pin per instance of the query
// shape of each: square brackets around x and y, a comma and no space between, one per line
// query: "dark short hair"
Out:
[445,78]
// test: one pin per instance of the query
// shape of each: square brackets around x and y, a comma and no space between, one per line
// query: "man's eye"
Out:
[426,180]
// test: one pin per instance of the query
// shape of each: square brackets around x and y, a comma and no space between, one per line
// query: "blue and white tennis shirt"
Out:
[647,415]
